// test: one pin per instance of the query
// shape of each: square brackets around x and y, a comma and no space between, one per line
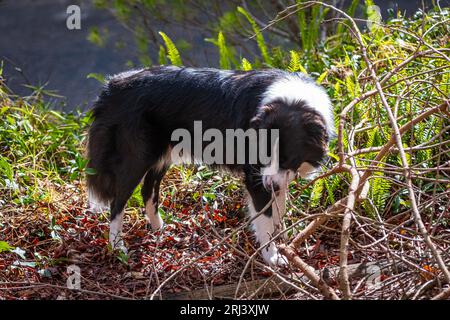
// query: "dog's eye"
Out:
[316,163]
[290,164]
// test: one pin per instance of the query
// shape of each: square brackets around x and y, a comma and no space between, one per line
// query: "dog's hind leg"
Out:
[127,180]
[150,195]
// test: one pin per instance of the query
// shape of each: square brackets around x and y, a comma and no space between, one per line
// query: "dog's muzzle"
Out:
[277,181]
[271,183]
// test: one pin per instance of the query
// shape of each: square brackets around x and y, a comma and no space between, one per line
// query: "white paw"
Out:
[155,222]
[273,257]
[118,244]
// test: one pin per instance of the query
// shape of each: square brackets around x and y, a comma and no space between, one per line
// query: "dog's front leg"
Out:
[115,228]
[264,224]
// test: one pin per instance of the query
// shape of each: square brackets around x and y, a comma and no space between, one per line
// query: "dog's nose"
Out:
[270,185]
[275,186]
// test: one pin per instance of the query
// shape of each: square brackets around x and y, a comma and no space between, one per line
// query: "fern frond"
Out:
[380,190]
[322,77]
[162,55]
[172,51]
[372,137]
[246,65]
[330,191]
[316,193]
[350,86]
[302,24]
[337,89]
[223,52]
[259,37]
[295,64]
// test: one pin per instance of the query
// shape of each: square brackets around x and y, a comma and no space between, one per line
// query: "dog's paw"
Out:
[118,245]
[121,248]
[155,221]
[273,257]
[158,224]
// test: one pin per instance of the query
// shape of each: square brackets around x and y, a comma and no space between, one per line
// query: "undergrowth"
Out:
[43,199]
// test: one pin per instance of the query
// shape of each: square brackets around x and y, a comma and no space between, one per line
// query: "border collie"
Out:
[136,113]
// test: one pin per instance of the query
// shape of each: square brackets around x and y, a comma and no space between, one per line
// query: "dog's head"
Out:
[305,123]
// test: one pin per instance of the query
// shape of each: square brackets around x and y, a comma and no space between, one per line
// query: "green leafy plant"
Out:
[172,51]
[41,150]
[259,36]
[5,247]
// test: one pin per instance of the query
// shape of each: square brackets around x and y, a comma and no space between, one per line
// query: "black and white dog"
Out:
[130,139]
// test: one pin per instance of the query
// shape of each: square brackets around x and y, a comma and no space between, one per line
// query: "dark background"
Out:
[37,48]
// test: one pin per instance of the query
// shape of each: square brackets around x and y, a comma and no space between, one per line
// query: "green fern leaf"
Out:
[223,51]
[372,137]
[295,63]
[330,191]
[350,85]
[172,51]
[246,65]
[162,55]
[259,37]
[316,193]
[322,77]
[379,190]
[303,25]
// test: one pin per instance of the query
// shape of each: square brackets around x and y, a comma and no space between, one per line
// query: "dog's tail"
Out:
[100,149]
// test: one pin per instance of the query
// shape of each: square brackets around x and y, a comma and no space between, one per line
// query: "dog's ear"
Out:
[263,117]
[316,130]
